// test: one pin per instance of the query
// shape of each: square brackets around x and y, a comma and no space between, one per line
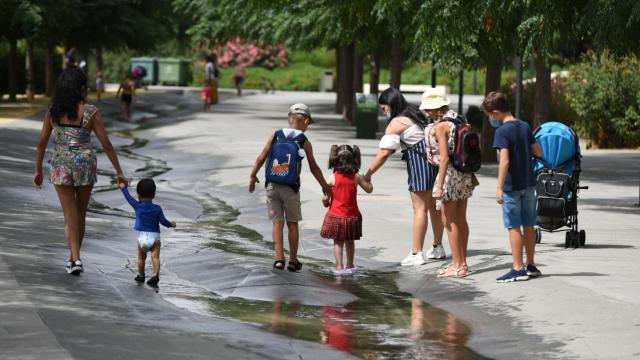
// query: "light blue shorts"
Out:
[147,240]
[519,208]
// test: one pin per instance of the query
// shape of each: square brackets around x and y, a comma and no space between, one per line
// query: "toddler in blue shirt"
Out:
[149,216]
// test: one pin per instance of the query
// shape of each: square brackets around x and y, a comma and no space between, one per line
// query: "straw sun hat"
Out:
[433,99]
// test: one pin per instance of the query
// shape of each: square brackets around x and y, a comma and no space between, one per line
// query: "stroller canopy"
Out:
[559,145]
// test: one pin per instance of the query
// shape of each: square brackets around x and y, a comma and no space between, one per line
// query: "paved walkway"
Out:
[584,307]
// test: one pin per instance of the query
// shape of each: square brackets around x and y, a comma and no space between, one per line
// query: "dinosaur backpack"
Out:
[285,159]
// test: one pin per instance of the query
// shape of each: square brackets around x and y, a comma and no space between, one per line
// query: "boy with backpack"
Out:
[284,151]
[516,183]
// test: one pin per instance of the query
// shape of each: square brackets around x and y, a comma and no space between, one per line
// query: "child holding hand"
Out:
[343,221]
[149,216]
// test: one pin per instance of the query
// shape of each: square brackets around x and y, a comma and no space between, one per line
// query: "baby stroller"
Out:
[558,182]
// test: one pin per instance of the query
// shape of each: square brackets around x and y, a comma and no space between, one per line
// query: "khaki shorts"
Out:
[283,203]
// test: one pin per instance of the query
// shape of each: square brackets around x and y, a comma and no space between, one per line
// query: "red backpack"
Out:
[465,153]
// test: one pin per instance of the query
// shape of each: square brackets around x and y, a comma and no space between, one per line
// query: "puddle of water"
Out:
[383,324]
[371,328]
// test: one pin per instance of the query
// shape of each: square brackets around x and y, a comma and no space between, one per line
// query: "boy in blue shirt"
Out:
[516,183]
[148,218]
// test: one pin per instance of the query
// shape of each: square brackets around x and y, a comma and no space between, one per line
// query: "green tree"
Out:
[469,34]
[20,18]
[546,26]
[613,25]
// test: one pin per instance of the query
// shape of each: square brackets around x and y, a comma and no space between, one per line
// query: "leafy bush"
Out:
[320,57]
[116,65]
[605,93]
[247,53]
[296,76]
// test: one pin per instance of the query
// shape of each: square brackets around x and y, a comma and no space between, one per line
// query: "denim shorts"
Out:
[519,208]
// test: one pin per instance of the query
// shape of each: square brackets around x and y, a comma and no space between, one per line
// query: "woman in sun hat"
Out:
[405,132]
[451,187]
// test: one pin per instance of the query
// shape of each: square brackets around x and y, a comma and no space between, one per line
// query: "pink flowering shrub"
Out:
[246,53]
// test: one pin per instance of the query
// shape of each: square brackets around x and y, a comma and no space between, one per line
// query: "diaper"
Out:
[146,240]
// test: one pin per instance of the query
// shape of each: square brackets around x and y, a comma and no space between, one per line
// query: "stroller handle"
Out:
[583,187]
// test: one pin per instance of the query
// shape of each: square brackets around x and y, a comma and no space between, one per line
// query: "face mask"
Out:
[388,115]
[495,123]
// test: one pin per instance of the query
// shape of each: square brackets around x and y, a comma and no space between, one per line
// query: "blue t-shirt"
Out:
[148,214]
[517,137]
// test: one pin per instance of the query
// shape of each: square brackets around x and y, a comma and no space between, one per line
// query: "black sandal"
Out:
[294,266]
[278,264]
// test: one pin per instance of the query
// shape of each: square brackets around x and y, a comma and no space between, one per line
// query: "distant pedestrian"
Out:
[343,221]
[149,216]
[125,92]
[516,183]
[211,75]
[239,77]
[284,151]
[73,162]
[405,132]
[206,97]
[69,58]
[99,84]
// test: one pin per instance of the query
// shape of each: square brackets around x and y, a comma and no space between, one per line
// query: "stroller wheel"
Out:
[567,240]
[575,239]
[583,237]
[538,235]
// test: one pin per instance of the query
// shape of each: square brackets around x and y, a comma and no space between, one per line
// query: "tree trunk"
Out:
[461,94]
[31,88]
[99,59]
[13,67]
[434,75]
[339,76]
[396,62]
[542,105]
[348,93]
[492,83]
[358,71]
[50,76]
[374,78]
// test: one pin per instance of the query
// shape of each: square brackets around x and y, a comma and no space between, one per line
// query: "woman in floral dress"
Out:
[73,163]
[453,188]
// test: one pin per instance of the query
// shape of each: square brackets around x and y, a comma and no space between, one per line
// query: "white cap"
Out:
[433,99]
[301,109]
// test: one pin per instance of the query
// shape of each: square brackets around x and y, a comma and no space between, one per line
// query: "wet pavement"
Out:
[218,293]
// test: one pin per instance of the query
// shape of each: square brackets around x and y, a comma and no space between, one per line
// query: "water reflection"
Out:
[337,327]
[417,330]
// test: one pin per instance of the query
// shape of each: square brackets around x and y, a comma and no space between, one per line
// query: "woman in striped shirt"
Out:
[405,132]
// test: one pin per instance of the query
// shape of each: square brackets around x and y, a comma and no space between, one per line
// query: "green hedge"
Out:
[605,93]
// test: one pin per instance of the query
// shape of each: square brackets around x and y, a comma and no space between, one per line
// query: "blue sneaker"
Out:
[514,275]
[533,271]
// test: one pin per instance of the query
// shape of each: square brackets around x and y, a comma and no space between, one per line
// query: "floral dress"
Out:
[73,162]
[457,185]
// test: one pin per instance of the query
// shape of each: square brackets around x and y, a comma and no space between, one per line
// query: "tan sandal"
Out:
[444,273]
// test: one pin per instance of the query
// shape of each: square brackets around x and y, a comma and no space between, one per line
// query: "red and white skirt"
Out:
[341,228]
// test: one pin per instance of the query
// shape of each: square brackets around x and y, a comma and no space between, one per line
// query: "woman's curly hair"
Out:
[345,158]
[70,91]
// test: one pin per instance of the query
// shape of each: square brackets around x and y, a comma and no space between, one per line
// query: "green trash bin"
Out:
[173,71]
[151,65]
[366,116]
